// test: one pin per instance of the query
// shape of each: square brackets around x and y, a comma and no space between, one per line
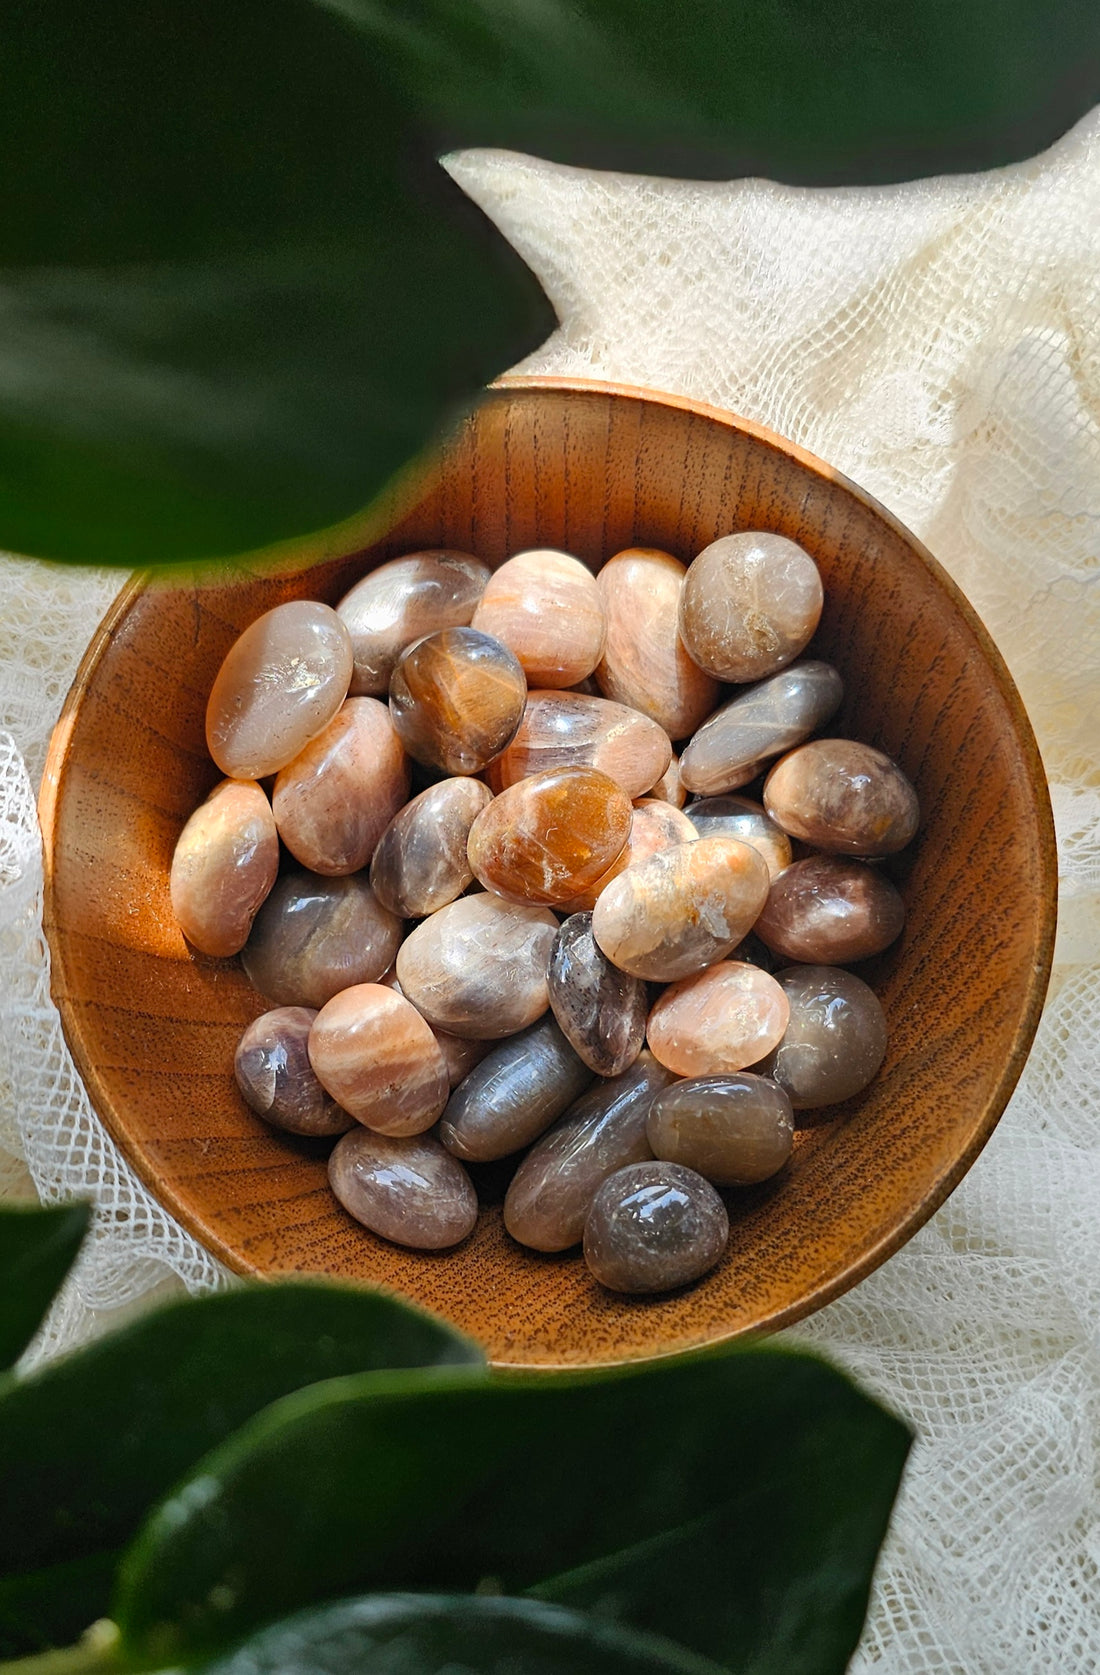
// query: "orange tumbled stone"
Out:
[654,826]
[722,1019]
[645,663]
[550,836]
[377,1057]
[546,608]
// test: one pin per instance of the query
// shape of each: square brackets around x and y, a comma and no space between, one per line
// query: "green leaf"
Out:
[856,91]
[91,1442]
[236,294]
[432,1634]
[37,1249]
[441,1486]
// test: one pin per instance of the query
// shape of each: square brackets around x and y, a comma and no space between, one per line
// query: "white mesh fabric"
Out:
[939,343]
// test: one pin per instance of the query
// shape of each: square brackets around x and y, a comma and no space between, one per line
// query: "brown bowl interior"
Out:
[589,469]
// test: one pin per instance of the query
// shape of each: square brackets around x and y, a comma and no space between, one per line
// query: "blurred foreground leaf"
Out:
[398,1481]
[429,1634]
[91,1442]
[37,1248]
[236,292]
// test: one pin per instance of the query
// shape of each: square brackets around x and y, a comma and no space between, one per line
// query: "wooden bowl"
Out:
[592,469]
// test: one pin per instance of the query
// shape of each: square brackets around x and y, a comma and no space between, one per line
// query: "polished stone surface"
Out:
[513,1095]
[670,787]
[283,680]
[402,600]
[374,1053]
[478,966]
[601,1010]
[223,867]
[315,936]
[553,1188]
[843,797]
[334,801]
[728,750]
[750,604]
[654,826]
[722,1019]
[545,606]
[835,1041]
[681,910]
[420,862]
[735,1129]
[653,1227]
[830,910]
[645,663]
[456,698]
[276,1079]
[409,1189]
[460,1053]
[748,822]
[567,729]
[550,835]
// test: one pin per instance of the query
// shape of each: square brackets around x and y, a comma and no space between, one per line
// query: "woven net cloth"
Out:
[940,343]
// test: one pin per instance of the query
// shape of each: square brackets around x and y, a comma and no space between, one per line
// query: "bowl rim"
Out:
[365,528]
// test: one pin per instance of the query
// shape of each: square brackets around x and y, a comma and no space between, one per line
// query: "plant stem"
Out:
[95,1653]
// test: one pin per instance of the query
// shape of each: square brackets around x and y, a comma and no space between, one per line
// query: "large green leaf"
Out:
[396,1482]
[236,294]
[37,1249]
[432,1634]
[91,1442]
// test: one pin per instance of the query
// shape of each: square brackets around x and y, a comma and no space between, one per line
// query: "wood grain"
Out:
[590,469]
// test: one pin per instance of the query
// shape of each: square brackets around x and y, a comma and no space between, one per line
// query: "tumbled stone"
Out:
[670,788]
[333,802]
[478,966]
[731,748]
[550,835]
[315,936]
[456,698]
[513,1095]
[601,1010]
[460,1054]
[276,1079]
[681,910]
[553,1188]
[748,822]
[722,1019]
[376,1056]
[735,1129]
[568,730]
[408,1189]
[281,682]
[653,1227]
[400,601]
[829,910]
[420,862]
[843,797]
[835,1041]
[645,663]
[545,606]
[223,866]
[750,604]
[654,826]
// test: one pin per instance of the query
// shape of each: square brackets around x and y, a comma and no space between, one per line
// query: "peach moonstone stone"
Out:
[682,909]
[570,729]
[645,663]
[282,680]
[224,865]
[749,605]
[334,801]
[722,1019]
[546,608]
[373,1052]
[550,836]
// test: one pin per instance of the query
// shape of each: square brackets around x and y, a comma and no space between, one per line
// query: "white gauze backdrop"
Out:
[940,343]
